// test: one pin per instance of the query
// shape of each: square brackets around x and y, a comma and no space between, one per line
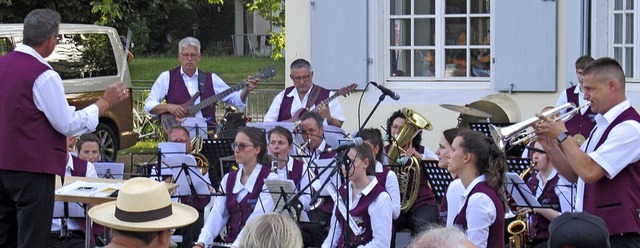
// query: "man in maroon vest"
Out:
[289,103]
[581,124]
[606,166]
[36,118]
[178,85]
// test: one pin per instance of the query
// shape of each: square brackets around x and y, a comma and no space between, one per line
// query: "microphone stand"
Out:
[380,99]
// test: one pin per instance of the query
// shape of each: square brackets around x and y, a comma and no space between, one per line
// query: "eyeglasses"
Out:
[298,79]
[190,55]
[240,146]
[179,141]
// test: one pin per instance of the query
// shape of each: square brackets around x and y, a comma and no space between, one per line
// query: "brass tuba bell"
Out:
[415,123]
[201,161]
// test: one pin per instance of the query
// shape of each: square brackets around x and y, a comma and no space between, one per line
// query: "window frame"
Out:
[635,42]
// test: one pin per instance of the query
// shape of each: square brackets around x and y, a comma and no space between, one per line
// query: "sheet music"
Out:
[274,186]
[82,188]
[75,210]
[172,148]
[197,126]
[200,182]
[116,170]
[520,192]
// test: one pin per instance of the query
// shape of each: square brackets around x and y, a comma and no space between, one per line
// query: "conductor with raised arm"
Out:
[36,117]
[607,165]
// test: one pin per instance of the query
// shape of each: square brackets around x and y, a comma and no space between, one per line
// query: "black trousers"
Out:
[26,202]
[418,219]
[191,232]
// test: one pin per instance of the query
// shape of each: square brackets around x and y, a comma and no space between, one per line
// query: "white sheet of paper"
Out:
[200,182]
[116,170]
[197,126]
[82,188]
[172,148]
[274,186]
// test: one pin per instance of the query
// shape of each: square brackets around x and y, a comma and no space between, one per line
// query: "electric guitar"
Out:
[168,120]
[342,92]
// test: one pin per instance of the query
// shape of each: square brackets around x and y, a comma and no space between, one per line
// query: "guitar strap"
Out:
[202,79]
[313,95]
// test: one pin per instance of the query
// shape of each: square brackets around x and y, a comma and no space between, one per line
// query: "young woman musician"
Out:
[551,190]
[244,189]
[368,205]
[88,147]
[451,203]
[481,166]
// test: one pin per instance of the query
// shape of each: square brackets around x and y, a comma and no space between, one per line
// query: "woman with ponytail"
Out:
[246,195]
[481,166]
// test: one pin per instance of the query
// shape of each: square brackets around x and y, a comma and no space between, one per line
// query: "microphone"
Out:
[386,91]
[357,141]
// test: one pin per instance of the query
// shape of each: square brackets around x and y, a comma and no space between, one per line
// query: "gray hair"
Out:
[189,41]
[40,25]
[300,63]
[271,230]
[439,237]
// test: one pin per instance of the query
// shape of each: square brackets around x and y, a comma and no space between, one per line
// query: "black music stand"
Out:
[520,192]
[511,151]
[213,150]
[439,178]
[518,165]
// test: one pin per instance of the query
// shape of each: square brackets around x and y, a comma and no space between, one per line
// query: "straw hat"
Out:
[143,205]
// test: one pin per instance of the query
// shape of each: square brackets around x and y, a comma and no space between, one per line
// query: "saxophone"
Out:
[518,228]
[415,123]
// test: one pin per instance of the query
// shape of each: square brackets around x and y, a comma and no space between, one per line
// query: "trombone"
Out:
[517,134]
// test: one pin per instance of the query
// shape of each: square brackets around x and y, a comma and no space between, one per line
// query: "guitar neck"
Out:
[215,98]
[326,101]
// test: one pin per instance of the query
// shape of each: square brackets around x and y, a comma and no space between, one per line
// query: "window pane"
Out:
[425,63]
[456,63]
[629,4]
[456,31]
[628,63]
[629,29]
[400,32]
[479,6]
[83,56]
[425,30]
[456,7]
[480,31]
[425,7]
[480,63]
[617,5]
[617,54]
[400,7]
[617,26]
[400,63]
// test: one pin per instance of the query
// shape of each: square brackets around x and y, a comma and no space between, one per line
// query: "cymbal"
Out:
[466,110]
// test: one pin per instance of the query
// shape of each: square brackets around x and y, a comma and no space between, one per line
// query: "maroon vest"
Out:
[295,174]
[580,123]
[496,230]
[178,93]
[239,211]
[382,176]
[425,194]
[539,228]
[28,142]
[616,200]
[361,211]
[285,105]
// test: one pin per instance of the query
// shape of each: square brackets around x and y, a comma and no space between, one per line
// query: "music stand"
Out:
[187,176]
[109,170]
[515,151]
[281,191]
[439,178]
[518,165]
[197,126]
[213,150]
[520,192]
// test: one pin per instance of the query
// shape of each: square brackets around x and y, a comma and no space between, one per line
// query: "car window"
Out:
[83,56]
[6,46]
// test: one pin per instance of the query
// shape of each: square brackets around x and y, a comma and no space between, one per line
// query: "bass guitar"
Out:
[168,120]
[342,92]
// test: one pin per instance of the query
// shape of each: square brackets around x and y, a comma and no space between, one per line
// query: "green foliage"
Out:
[108,10]
[273,12]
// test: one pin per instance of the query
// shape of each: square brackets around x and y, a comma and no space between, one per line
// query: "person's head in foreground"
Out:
[271,230]
[143,215]
[578,230]
[441,237]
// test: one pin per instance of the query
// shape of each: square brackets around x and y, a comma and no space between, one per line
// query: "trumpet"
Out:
[517,134]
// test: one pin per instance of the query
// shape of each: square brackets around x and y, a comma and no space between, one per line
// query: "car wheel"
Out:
[108,141]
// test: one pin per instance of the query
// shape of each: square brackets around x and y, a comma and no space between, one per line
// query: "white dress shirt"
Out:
[621,148]
[219,215]
[392,187]
[380,216]
[481,214]
[305,198]
[160,89]
[562,189]
[56,224]
[455,192]
[297,104]
[49,97]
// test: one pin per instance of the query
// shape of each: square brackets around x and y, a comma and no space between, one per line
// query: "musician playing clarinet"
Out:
[606,166]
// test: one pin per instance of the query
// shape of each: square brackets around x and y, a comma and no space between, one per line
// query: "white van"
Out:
[89,58]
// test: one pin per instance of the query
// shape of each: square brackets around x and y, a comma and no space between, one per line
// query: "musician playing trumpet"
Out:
[607,165]
[552,191]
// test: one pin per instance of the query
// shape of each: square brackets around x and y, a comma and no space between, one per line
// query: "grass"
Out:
[232,69]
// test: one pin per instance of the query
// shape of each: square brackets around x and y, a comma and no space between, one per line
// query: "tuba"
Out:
[415,124]
[201,161]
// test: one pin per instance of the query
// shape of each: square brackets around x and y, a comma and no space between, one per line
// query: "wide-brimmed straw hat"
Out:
[143,205]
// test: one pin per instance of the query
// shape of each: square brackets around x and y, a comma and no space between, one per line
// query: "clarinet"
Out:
[274,164]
